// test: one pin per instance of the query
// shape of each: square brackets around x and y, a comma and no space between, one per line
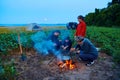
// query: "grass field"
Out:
[106,38]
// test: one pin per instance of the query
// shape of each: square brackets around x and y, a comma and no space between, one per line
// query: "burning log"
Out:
[62,65]
[67,64]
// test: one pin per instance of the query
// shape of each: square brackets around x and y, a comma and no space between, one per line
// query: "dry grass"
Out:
[12,29]
[53,28]
[24,28]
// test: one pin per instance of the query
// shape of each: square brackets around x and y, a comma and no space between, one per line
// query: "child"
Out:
[66,44]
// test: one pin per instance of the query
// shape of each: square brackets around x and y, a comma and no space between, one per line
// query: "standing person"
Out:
[81,27]
[86,50]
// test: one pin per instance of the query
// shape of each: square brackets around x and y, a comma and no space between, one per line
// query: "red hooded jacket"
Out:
[81,29]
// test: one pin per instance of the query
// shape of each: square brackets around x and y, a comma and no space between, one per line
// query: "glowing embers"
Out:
[67,65]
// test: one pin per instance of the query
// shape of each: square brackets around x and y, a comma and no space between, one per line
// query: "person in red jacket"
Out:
[81,28]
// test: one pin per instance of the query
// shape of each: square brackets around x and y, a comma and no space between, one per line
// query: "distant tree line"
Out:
[109,16]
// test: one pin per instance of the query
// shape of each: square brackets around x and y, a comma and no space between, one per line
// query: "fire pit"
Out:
[66,63]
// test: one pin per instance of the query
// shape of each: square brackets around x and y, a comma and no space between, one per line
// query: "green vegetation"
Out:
[106,38]
[109,16]
[8,43]
[7,69]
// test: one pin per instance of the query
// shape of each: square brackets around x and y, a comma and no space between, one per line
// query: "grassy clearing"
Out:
[106,38]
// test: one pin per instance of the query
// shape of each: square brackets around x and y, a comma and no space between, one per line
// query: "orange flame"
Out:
[68,64]
[71,65]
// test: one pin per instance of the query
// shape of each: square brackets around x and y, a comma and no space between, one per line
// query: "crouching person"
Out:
[54,37]
[86,50]
[66,45]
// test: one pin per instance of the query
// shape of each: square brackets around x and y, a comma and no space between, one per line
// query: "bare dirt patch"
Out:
[36,68]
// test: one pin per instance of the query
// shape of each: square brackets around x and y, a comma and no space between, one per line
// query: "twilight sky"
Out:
[46,11]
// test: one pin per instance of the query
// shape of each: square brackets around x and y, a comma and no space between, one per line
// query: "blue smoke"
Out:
[40,43]
[64,34]
[39,37]
[44,46]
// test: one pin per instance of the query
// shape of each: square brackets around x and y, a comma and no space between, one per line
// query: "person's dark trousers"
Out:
[87,56]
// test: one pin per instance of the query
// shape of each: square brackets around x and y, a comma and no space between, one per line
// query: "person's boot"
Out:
[90,63]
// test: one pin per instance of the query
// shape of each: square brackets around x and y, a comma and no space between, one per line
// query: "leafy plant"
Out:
[7,71]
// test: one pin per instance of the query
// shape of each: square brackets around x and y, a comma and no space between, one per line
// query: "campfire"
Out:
[67,65]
